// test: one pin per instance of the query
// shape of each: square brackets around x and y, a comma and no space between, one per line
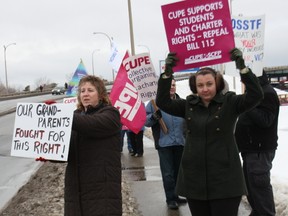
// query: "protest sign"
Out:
[200,32]
[69,100]
[249,35]
[141,72]
[42,130]
[126,99]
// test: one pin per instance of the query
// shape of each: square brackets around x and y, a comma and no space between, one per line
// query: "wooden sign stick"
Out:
[161,122]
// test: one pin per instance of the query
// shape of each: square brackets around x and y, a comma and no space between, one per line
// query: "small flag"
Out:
[116,57]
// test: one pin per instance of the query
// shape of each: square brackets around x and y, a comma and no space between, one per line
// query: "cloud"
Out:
[52,36]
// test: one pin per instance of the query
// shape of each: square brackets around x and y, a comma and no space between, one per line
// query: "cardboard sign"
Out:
[141,72]
[42,130]
[200,32]
[249,35]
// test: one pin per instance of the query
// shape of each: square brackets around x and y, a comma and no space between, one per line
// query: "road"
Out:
[15,171]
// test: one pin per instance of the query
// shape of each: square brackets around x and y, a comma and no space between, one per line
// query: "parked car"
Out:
[282,85]
[58,90]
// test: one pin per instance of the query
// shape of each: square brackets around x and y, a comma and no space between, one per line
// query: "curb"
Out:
[8,111]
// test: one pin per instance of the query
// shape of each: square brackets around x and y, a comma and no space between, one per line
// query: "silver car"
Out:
[58,91]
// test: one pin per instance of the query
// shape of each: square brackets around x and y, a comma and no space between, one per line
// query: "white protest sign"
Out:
[42,130]
[142,74]
[249,38]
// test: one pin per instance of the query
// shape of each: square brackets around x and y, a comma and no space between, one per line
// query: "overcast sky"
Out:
[52,36]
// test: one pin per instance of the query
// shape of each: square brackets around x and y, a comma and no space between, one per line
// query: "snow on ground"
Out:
[279,171]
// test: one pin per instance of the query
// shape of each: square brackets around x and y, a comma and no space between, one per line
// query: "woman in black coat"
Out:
[93,173]
[210,174]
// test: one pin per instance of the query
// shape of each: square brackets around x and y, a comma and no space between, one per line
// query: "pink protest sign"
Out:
[200,32]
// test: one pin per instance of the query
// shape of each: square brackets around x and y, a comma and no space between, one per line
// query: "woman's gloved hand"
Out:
[156,115]
[170,62]
[49,102]
[41,159]
[237,56]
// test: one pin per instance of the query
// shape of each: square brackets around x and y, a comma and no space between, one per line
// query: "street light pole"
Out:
[131,28]
[5,48]
[110,41]
[93,60]
[145,47]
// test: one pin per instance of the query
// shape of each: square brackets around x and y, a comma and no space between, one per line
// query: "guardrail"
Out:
[48,91]
[34,93]
[23,94]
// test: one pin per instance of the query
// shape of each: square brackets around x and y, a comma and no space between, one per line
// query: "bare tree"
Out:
[43,81]
[2,89]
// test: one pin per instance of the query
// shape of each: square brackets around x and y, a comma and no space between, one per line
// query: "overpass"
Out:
[277,74]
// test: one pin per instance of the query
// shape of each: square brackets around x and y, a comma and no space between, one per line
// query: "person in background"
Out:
[169,147]
[256,136]
[136,142]
[210,174]
[123,132]
[93,173]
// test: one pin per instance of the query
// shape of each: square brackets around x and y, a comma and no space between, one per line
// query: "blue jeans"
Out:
[170,158]
[256,168]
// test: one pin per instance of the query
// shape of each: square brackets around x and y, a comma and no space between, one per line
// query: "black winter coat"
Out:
[257,130]
[93,173]
[210,166]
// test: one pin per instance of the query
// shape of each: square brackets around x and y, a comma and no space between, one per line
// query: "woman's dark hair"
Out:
[100,87]
[203,71]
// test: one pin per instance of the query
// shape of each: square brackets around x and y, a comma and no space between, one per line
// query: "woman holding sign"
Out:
[210,174]
[93,173]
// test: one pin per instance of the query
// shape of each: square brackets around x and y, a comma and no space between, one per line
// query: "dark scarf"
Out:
[92,109]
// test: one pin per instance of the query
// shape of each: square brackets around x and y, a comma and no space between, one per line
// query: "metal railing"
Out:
[48,91]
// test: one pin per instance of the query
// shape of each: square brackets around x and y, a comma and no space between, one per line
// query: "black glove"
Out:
[170,62]
[237,56]
[156,115]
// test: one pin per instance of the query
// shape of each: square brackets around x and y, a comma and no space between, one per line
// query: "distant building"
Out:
[277,74]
